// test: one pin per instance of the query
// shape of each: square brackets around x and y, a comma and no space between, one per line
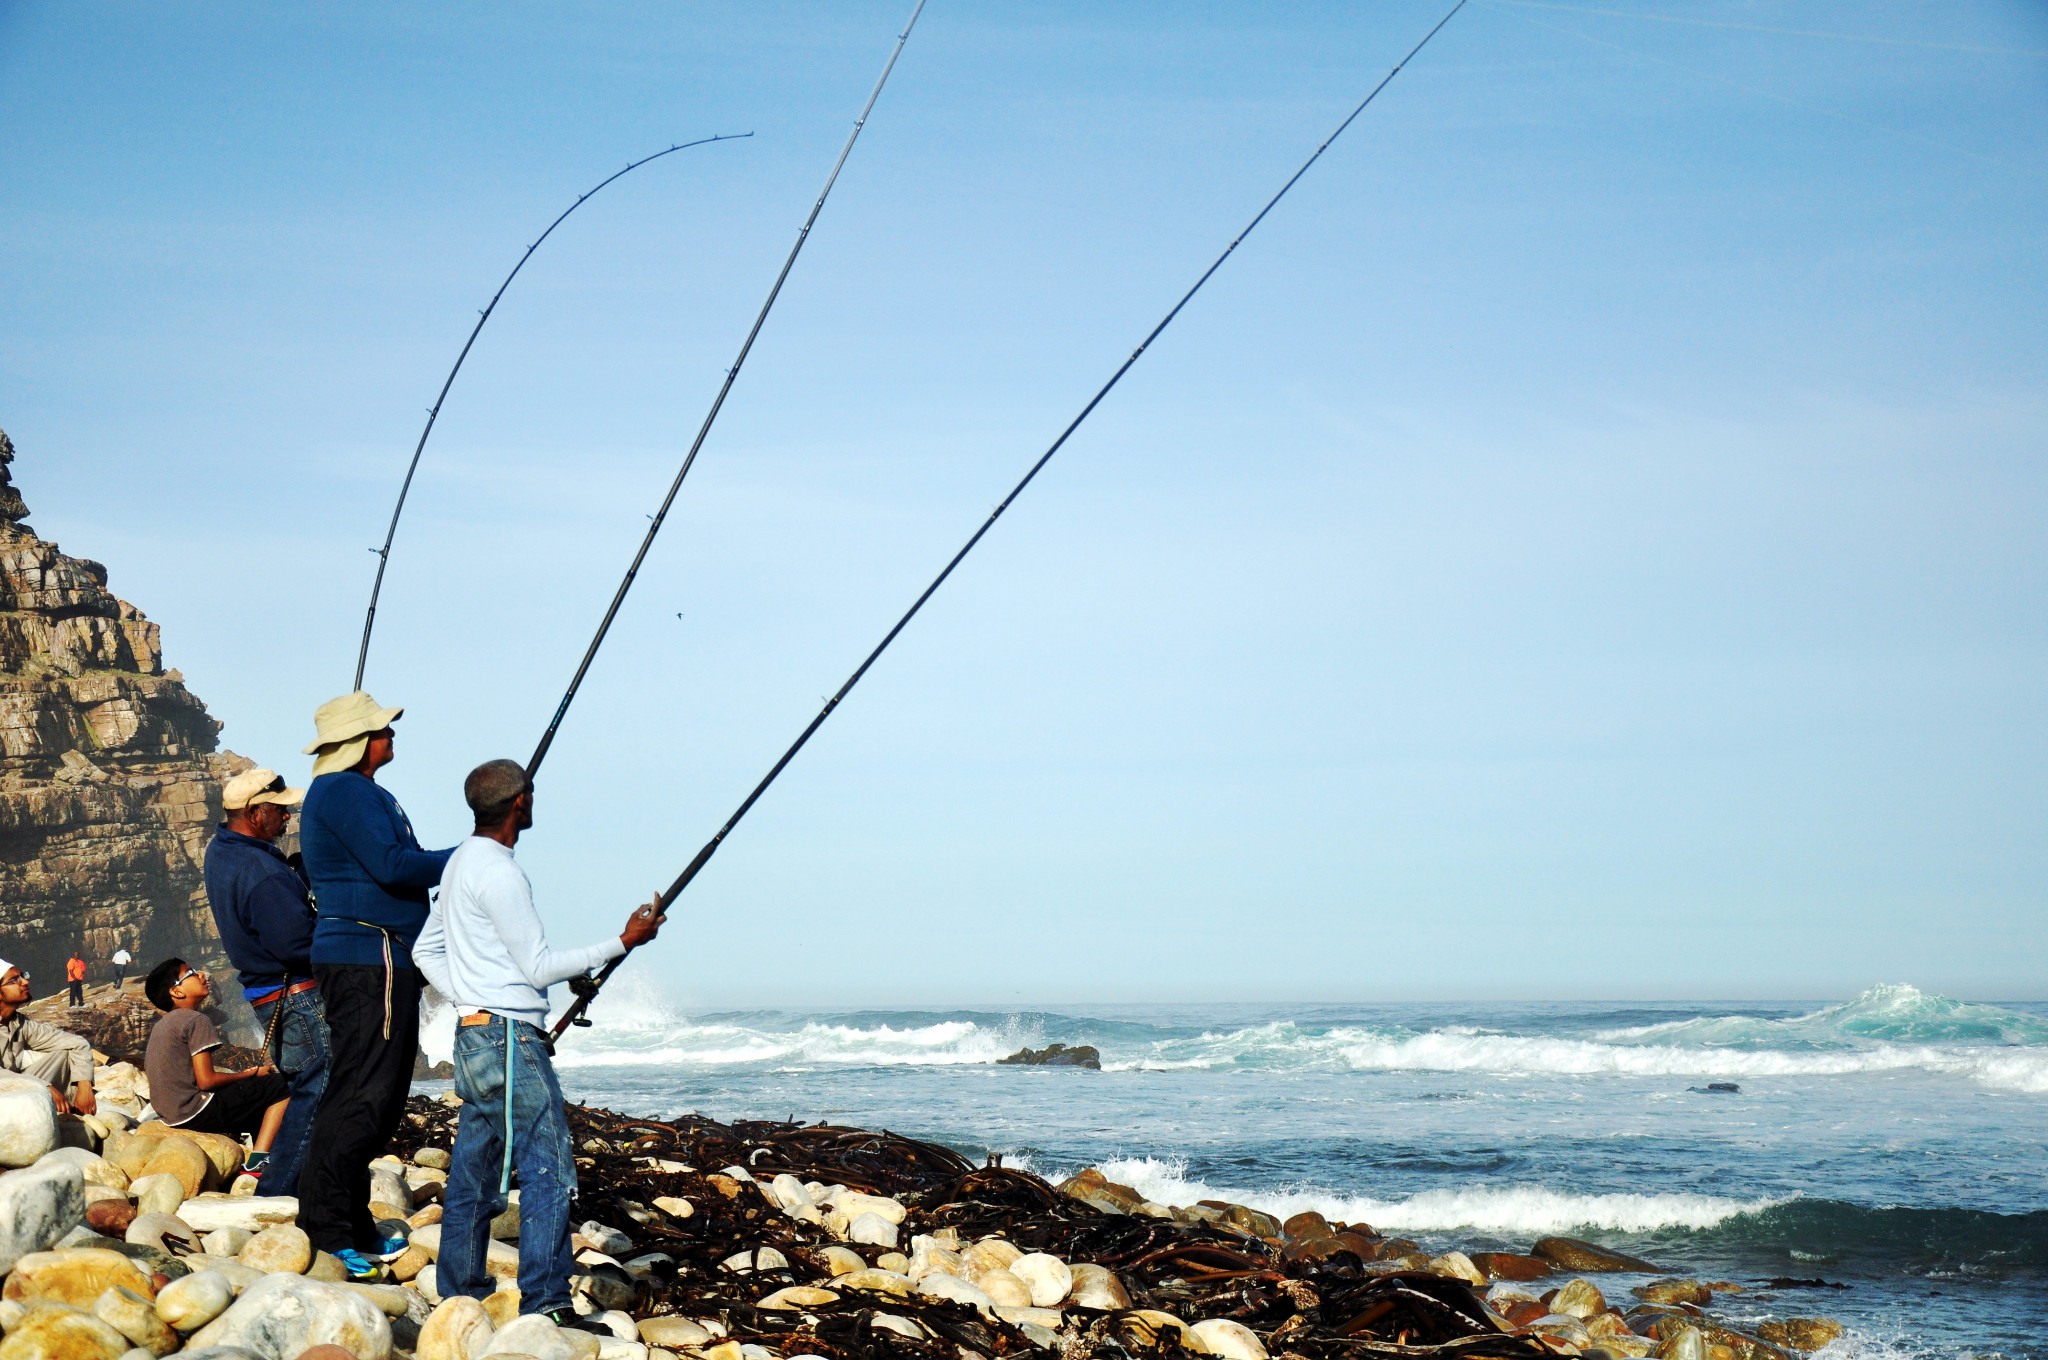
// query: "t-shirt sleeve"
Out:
[200,1033]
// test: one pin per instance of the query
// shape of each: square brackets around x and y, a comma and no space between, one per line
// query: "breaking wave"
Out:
[1886,1029]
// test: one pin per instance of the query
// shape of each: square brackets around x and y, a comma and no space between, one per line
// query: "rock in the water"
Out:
[282,1316]
[196,1300]
[459,1329]
[249,1213]
[1231,1340]
[1684,1343]
[282,1247]
[135,1317]
[1047,1277]
[28,1121]
[48,1332]
[1057,1055]
[1578,1299]
[1456,1265]
[38,1205]
[1801,1333]
[1674,1291]
[1573,1254]
[76,1275]
[1507,1265]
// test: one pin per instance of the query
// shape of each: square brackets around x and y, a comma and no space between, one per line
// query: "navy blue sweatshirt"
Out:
[369,874]
[261,908]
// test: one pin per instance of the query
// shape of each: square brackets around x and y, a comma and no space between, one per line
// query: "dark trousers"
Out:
[78,993]
[368,1077]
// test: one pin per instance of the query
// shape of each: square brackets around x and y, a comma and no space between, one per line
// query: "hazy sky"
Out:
[1587,543]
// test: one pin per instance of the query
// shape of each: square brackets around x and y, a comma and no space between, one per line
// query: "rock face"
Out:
[1057,1055]
[109,774]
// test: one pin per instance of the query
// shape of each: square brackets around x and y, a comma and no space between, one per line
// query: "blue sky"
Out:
[1585,544]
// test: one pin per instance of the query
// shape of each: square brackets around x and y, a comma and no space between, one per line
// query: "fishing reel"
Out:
[585,986]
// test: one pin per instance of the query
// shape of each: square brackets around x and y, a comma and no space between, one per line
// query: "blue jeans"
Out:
[541,1152]
[301,1054]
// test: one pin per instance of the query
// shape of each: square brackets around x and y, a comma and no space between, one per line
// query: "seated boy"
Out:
[183,1085]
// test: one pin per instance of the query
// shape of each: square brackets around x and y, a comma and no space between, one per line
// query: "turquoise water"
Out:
[1896,1143]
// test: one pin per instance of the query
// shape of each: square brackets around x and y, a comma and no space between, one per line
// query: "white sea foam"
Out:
[1502,1210]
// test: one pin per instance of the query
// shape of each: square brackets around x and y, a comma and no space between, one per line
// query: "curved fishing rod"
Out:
[586,986]
[434,411]
[547,739]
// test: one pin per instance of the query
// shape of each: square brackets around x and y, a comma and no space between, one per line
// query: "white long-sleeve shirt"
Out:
[483,947]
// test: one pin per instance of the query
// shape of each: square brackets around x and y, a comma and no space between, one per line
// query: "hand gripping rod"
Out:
[586,987]
[434,411]
[547,739]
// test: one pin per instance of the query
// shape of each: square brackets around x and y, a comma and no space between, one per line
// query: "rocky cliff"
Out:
[110,774]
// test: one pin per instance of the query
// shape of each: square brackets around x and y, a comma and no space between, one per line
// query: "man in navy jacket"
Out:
[265,917]
[370,880]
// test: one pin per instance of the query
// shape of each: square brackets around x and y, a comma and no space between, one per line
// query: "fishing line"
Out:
[604,625]
[434,411]
[586,986]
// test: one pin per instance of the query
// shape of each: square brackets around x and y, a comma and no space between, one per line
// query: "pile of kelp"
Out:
[1320,1307]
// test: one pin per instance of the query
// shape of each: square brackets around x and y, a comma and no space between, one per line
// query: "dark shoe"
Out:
[569,1317]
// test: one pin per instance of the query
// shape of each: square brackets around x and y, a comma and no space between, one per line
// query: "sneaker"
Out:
[569,1317]
[359,1270]
[385,1248]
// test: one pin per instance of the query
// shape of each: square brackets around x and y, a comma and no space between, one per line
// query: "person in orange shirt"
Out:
[74,973]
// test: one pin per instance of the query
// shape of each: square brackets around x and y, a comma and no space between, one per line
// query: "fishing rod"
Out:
[434,411]
[547,739]
[586,986]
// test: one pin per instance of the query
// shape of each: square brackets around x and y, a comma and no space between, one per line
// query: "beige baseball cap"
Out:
[251,787]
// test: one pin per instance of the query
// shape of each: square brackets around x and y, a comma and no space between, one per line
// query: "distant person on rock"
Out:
[370,880]
[74,977]
[265,916]
[484,950]
[184,1087]
[122,958]
[50,1055]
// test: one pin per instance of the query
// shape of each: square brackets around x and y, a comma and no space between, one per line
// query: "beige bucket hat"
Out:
[252,787]
[343,727]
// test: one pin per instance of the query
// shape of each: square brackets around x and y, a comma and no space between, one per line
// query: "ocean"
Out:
[1894,1146]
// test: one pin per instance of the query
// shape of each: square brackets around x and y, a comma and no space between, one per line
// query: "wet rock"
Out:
[135,1317]
[38,1205]
[1307,1223]
[1507,1265]
[281,1316]
[1231,1340]
[1578,1299]
[77,1276]
[28,1121]
[1574,1254]
[1092,1187]
[1801,1333]
[1683,1343]
[1057,1055]
[1045,1276]
[1456,1265]
[1674,1291]
[191,1303]
[51,1332]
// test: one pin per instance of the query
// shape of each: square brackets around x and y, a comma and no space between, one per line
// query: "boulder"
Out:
[93,1168]
[990,1253]
[135,1317]
[457,1330]
[1057,1055]
[28,1121]
[1456,1265]
[283,1247]
[180,1157]
[1092,1187]
[1578,1299]
[534,1335]
[248,1213]
[53,1332]
[1231,1340]
[280,1317]
[1097,1287]
[160,1230]
[76,1275]
[223,1152]
[1508,1265]
[1047,1277]
[1684,1343]
[1674,1291]
[1573,1254]
[199,1298]
[1003,1289]
[38,1205]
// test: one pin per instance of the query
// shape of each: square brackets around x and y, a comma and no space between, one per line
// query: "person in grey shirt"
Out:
[483,948]
[50,1055]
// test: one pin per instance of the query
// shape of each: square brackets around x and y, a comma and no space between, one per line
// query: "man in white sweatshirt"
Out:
[483,949]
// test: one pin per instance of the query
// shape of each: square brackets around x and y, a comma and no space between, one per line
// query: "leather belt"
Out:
[274,993]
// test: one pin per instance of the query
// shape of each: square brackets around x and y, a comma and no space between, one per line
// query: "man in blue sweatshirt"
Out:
[370,880]
[483,949]
[265,917]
